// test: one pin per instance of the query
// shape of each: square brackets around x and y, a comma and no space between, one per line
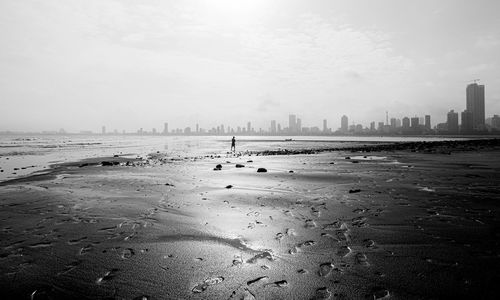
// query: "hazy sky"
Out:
[128,64]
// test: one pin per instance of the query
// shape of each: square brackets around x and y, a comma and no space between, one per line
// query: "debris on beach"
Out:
[261,170]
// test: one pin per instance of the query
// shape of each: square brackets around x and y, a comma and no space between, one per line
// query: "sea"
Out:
[21,155]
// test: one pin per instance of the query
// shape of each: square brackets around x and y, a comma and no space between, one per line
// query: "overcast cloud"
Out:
[79,65]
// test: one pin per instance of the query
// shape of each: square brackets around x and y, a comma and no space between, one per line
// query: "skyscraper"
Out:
[298,126]
[428,122]
[273,126]
[406,123]
[292,122]
[325,129]
[344,123]
[475,104]
[165,128]
[467,125]
[249,127]
[452,122]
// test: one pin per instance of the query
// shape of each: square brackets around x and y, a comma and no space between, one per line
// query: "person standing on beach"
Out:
[233,144]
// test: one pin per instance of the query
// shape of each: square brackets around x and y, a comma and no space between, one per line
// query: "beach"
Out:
[365,222]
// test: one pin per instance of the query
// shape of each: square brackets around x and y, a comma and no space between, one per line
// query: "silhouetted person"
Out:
[233,144]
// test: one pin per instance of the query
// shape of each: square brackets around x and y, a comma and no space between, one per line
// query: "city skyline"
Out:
[472,121]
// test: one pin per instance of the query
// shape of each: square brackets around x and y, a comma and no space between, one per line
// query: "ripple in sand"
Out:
[70,267]
[205,284]
[263,255]
[279,236]
[325,269]
[107,276]
[41,245]
[322,294]
[256,280]
[76,241]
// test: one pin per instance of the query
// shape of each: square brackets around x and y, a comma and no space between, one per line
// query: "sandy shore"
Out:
[385,224]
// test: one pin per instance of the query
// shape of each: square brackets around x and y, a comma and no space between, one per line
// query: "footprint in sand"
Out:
[380,293]
[369,243]
[200,287]
[325,269]
[322,294]
[306,244]
[280,284]
[343,251]
[107,276]
[86,249]
[315,212]
[246,294]
[361,259]
[127,253]
[256,280]
[263,255]
[310,224]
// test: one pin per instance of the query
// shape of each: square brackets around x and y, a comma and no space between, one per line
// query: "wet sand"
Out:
[385,224]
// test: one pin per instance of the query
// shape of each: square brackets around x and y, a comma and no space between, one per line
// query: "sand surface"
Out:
[398,224]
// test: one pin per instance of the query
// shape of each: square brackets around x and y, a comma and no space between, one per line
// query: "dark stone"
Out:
[83,165]
[332,163]
[116,155]
[240,166]
[218,167]
[355,162]
[261,170]
[229,186]
[106,163]
[354,191]
[347,157]
[249,161]
[291,171]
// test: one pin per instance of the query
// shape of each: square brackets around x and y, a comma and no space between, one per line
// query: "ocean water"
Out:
[21,155]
